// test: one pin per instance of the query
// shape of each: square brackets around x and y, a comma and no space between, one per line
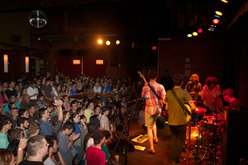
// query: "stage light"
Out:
[37,19]
[216,16]
[117,42]
[210,29]
[154,47]
[27,64]
[189,35]
[108,42]
[195,34]
[218,13]
[216,21]
[100,42]
[200,30]
[225,1]
[5,63]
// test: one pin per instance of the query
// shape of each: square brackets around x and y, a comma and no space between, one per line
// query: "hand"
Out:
[22,143]
[73,137]
[58,102]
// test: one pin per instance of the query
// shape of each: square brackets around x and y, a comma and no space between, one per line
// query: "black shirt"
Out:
[26,162]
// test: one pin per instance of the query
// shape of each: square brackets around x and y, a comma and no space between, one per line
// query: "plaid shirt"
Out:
[152,104]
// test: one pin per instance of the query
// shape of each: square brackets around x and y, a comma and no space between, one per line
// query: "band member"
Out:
[176,117]
[194,87]
[210,94]
[230,102]
[153,107]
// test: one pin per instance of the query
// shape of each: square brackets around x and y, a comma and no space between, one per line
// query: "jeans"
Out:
[178,134]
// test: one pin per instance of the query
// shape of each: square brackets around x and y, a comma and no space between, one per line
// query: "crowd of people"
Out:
[42,122]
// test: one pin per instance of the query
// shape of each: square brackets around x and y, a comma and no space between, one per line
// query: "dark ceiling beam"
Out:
[22,5]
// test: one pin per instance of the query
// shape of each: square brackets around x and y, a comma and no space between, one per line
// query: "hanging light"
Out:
[108,42]
[117,42]
[189,35]
[200,30]
[219,13]
[99,41]
[37,19]
[195,34]
[216,21]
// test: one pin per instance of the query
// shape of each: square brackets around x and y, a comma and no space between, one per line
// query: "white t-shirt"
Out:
[31,91]
[99,90]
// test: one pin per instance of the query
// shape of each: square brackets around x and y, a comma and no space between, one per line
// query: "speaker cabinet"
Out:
[235,137]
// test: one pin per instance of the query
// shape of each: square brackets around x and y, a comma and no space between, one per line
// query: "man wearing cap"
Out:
[94,154]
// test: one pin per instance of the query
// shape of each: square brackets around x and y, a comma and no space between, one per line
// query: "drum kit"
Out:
[208,140]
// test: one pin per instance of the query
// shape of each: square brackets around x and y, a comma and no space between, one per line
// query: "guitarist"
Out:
[153,108]
[176,117]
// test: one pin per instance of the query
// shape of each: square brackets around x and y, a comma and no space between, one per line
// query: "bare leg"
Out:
[154,129]
[150,137]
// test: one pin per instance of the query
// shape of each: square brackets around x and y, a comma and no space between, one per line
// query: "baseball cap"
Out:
[98,135]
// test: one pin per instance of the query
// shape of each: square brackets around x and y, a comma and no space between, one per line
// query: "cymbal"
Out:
[212,117]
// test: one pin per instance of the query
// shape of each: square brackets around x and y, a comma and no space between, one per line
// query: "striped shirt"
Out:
[152,104]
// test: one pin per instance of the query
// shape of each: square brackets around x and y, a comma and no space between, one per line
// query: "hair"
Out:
[50,140]
[152,74]
[229,91]
[106,134]
[39,96]
[41,112]
[34,143]
[82,117]
[12,109]
[10,104]
[3,121]
[5,156]
[30,106]
[14,134]
[13,147]
[33,82]
[197,77]
[33,127]
[73,102]
[79,110]
[73,115]
[68,125]
[177,79]
[21,120]
[88,104]
[21,112]
[167,71]
[211,80]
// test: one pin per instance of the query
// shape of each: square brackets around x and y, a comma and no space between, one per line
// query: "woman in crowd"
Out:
[66,103]
[23,92]
[6,157]
[97,89]
[59,91]
[54,89]
[123,88]
[66,116]
[57,80]
[73,90]
[80,88]
[83,123]
[105,144]
[3,98]
[90,88]
[64,91]
[121,118]
[116,89]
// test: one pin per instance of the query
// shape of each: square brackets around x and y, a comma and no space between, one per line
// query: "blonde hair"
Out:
[197,77]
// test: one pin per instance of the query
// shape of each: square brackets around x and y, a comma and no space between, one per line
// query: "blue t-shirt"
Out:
[73,92]
[45,128]
[77,128]
[107,89]
[6,107]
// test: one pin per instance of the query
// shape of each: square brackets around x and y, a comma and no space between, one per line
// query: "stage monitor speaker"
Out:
[234,137]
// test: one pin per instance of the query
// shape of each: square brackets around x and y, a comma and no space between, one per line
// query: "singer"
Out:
[154,92]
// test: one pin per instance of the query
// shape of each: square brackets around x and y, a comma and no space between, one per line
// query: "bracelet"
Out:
[21,149]
[60,106]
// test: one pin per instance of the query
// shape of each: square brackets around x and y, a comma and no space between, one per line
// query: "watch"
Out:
[187,60]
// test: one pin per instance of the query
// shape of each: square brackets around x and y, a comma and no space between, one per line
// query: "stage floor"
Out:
[162,155]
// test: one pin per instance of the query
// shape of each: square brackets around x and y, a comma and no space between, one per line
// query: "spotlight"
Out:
[225,1]
[117,42]
[216,21]
[210,29]
[195,34]
[108,42]
[200,30]
[189,35]
[219,13]
[100,41]
[37,19]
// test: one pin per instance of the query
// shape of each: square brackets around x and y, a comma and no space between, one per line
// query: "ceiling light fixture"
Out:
[37,19]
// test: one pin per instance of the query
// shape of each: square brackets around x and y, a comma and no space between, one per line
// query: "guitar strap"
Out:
[153,91]
[180,102]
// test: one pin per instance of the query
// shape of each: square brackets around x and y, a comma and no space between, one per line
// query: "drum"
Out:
[208,126]
[196,115]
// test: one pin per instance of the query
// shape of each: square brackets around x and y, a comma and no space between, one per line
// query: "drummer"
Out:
[230,102]
[210,94]
[194,87]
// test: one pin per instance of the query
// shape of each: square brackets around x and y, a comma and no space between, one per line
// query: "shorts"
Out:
[150,120]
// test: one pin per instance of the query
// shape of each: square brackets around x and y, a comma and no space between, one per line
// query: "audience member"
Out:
[11,90]
[41,103]
[5,126]
[47,91]
[6,157]
[12,99]
[14,114]
[89,111]
[33,130]
[26,102]
[45,126]
[23,124]
[32,91]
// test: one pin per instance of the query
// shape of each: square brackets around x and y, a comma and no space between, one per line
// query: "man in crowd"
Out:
[74,106]
[89,111]
[45,126]
[177,120]
[65,142]
[37,149]
[5,126]
[32,91]
[11,89]
[47,91]
[41,103]
[26,102]
[14,114]
[32,114]
[12,98]
[23,124]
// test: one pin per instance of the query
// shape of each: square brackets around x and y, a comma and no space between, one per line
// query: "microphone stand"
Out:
[126,132]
